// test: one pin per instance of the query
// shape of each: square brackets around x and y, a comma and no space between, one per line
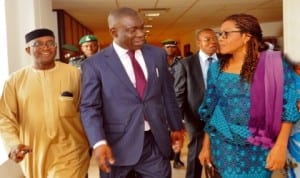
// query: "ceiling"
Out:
[181,16]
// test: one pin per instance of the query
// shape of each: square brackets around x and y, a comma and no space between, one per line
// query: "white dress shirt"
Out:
[126,62]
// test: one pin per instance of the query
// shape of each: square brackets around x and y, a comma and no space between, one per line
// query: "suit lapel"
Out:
[198,70]
[117,68]
[150,64]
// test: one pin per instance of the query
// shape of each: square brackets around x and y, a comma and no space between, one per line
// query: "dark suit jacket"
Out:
[189,88]
[111,108]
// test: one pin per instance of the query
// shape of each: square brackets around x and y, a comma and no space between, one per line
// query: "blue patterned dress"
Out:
[226,111]
[294,142]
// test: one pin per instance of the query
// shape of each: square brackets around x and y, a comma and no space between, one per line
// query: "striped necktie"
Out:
[210,59]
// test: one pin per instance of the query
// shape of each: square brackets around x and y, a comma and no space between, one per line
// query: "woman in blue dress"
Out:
[249,107]
[294,140]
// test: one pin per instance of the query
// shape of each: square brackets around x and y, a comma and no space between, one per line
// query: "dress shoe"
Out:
[178,164]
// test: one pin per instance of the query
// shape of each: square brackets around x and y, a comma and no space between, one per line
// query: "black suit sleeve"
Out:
[180,80]
[174,115]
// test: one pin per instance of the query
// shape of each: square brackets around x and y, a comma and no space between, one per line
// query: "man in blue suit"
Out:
[128,103]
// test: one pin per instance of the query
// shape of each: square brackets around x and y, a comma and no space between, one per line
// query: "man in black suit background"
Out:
[190,84]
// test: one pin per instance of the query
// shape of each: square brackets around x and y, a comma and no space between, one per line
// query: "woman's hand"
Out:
[276,158]
[205,153]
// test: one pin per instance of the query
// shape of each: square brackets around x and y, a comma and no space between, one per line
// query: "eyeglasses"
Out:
[39,44]
[225,34]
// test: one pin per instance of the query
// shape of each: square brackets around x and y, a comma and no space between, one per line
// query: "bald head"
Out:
[116,15]
[199,32]
[207,41]
[126,27]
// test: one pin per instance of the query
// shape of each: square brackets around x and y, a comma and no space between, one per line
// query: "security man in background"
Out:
[69,52]
[89,46]
[170,46]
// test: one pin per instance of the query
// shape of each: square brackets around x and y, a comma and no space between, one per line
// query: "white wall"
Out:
[3,47]
[291,29]
[18,22]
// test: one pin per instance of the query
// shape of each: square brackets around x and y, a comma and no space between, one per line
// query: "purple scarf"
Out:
[266,100]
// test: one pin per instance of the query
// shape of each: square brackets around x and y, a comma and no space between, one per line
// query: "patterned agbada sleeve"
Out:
[211,96]
[9,123]
[290,112]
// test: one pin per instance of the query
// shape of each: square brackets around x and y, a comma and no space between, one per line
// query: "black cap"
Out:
[38,33]
[169,42]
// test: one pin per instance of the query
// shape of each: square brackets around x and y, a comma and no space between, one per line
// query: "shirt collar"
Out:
[203,56]
[122,51]
[119,50]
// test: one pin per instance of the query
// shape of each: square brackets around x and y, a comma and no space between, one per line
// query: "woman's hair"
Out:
[247,24]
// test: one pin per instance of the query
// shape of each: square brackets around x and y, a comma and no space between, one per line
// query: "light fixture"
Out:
[152,14]
[148,26]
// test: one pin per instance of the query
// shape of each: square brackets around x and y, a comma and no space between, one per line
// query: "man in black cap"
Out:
[173,53]
[39,114]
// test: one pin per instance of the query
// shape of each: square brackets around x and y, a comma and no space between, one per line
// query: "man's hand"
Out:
[104,157]
[177,138]
[18,152]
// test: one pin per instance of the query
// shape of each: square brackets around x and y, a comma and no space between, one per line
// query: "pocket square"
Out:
[67,93]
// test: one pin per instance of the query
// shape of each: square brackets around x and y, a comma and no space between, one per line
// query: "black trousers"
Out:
[196,135]
[133,174]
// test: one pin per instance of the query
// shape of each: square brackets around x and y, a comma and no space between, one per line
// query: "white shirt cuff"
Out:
[101,142]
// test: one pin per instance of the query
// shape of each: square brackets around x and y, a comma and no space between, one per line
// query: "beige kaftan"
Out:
[33,112]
